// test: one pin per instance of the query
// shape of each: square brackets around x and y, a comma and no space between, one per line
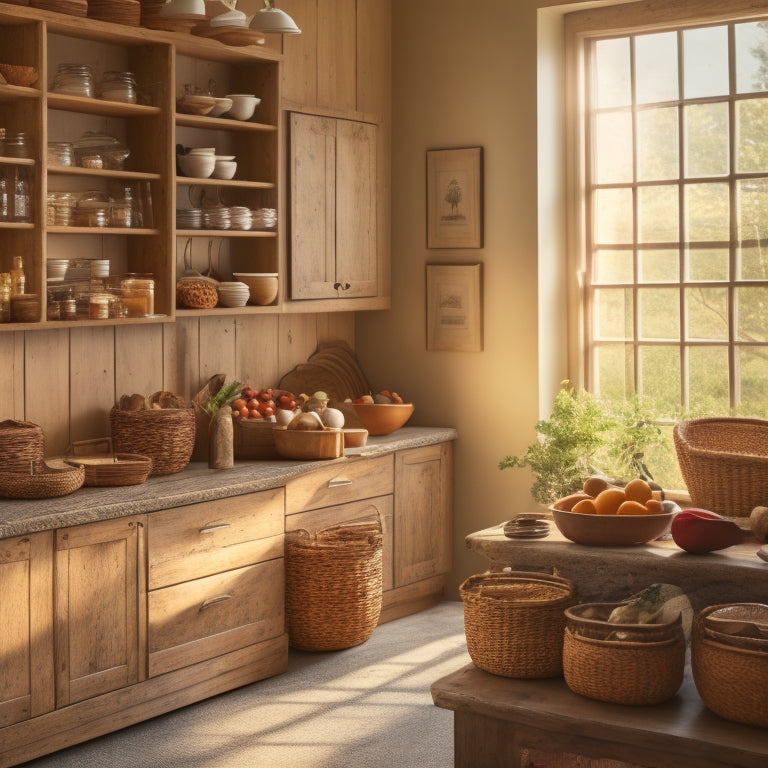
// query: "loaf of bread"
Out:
[196,294]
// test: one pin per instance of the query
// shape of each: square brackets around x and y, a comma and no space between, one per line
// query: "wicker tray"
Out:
[115,470]
[45,484]
[730,680]
[334,584]
[514,622]
[724,462]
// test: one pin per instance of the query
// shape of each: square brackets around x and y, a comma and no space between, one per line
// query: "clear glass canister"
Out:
[61,153]
[119,86]
[138,295]
[75,79]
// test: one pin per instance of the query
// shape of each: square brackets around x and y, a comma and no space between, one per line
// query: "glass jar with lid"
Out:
[61,153]
[119,86]
[73,79]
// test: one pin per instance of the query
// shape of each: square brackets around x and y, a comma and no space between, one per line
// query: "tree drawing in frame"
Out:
[454,198]
[454,308]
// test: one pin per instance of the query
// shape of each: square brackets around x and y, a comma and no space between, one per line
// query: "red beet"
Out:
[700,531]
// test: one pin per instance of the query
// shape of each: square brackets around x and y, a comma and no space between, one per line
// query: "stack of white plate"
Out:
[264,218]
[234,294]
[189,218]
[217,218]
[240,217]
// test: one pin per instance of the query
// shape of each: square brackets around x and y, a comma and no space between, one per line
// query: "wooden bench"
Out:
[497,719]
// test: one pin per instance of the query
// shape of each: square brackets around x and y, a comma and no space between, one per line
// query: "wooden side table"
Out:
[496,718]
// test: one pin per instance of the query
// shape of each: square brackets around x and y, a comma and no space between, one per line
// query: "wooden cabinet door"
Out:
[333,208]
[26,627]
[100,590]
[422,514]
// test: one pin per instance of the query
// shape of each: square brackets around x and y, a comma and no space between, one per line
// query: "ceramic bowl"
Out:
[222,105]
[224,169]
[611,530]
[243,105]
[183,8]
[263,286]
[195,105]
[383,418]
[197,166]
[232,18]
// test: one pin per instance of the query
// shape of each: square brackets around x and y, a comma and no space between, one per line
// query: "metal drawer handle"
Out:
[215,527]
[338,482]
[213,600]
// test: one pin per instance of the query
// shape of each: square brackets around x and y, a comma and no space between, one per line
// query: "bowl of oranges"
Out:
[607,515]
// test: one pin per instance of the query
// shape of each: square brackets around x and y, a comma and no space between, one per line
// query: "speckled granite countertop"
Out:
[192,485]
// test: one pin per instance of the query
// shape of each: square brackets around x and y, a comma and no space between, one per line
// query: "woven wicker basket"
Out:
[514,622]
[166,435]
[732,681]
[21,446]
[724,462]
[622,663]
[115,470]
[334,584]
[45,484]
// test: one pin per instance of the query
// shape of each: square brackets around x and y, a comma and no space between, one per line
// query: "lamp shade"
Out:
[272,19]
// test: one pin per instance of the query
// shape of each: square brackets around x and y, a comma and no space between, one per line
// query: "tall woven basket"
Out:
[334,585]
[724,462]
[21,446]
[514,622]
[166,435]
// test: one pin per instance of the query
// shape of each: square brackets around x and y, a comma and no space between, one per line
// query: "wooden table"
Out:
[495,718]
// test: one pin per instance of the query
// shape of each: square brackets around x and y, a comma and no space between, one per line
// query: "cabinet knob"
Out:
[342,286]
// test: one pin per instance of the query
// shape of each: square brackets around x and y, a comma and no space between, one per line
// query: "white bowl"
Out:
[197,166]
[224,169]
[243,105]
[201,151]
[183,8]
[232,18]
[222,105]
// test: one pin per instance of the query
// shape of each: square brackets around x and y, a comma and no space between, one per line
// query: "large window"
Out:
[674,211]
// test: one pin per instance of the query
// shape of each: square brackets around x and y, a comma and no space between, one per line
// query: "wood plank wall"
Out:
[66,380]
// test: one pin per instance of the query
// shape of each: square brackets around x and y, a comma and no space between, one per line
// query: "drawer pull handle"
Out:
[338,482]
[212,528]
[213,600]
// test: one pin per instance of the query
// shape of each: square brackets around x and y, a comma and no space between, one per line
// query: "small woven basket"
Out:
[334,585]
[731,680]
[724,462]
[166,435]
[45,484]
[623,663]
[514,622]
[21,446]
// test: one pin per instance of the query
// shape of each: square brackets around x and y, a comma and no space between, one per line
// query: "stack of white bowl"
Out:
[241,217]
[233,294]
[198,162]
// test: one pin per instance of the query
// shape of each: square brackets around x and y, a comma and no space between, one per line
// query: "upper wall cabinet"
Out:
[333,208]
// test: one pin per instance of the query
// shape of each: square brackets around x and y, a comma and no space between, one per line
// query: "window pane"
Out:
[751,313]
[708,379]
[613,313]
[656,67]
[707,310]
[612,266]
[658,214]
[752,128]
[660,377]
[707,264]
[659,266]
[706,139]
[612,73]
[751,43]
[752,196]
[705,62]
[613,368]
[753,373]
[707,209]
[658,313]
[753,263]
[613,134]
[613,216]
[657,144]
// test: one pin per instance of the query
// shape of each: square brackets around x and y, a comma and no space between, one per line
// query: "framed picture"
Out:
[454,308]
[454,198]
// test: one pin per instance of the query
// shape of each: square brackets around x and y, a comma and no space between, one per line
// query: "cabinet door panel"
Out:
[97,608]
[26,627]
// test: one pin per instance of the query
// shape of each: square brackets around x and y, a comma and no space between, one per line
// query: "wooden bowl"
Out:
[18,74]
[355,437]
[383,418]
[611,530]
[263,286]
[308,444]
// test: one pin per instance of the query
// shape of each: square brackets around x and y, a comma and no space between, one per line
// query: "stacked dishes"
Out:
[189,218]
[233,294]
[241,217]
[264,218]
[56,269]
[217,218]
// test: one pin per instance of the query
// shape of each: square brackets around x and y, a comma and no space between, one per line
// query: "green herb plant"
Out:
[224,396]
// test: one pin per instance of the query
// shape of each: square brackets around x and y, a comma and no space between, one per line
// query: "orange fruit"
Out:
[638,490]
[567,502]
[630,507]
[654,507]
[585,506]
[594,485]
[608,501]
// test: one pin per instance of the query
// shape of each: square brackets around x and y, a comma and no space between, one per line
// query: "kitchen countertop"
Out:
[194,484]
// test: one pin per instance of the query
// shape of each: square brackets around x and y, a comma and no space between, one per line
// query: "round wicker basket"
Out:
[45,484]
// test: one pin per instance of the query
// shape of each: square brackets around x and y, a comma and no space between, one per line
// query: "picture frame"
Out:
[454,308]
[454,198]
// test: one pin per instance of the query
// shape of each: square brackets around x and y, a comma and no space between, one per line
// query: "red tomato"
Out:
[244,412]
[288,402]
[254,414]
[239,404]
[265,409]
[252,403]
[265,394]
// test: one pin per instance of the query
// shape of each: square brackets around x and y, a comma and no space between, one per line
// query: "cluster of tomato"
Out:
[384,396]
[262,403]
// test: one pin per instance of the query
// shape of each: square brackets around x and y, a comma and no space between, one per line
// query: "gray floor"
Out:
[366,707]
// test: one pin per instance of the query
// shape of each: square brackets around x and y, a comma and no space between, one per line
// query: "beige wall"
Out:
[465,74]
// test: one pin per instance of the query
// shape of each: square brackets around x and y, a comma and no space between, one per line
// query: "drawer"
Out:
[207,617]
[202,539]
[357,478]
